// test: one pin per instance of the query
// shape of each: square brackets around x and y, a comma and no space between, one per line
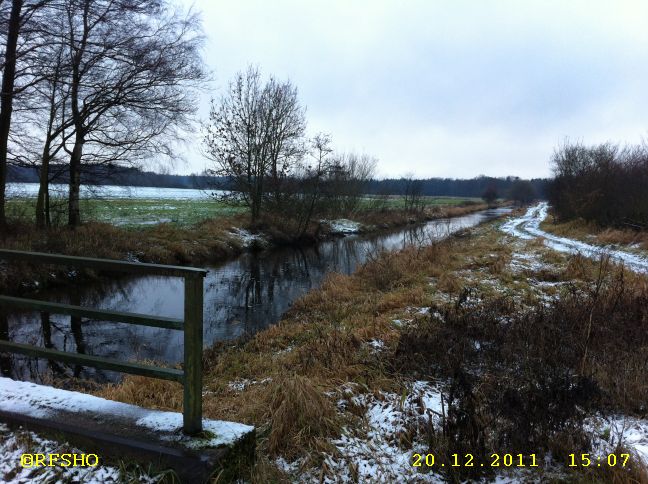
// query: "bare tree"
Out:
[413,194]
[605,184]
[347,183]
[490,194]
[21,73]
[43,110]
[286,147]
[134,67]
[7,96]
[309,191]
[255,137]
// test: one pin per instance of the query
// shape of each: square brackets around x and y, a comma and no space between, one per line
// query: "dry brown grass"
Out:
[143,391]
[208,241]
[623,237]
[457,211]
[301,416]
[590,232]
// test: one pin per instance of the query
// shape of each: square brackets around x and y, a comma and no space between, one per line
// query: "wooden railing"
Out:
[192,325]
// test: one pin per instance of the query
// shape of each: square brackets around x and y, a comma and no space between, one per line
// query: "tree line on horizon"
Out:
[134,176]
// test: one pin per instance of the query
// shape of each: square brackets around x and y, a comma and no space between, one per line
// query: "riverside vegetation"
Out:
[211,239]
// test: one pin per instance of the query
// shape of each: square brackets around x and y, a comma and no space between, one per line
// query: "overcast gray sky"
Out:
[445,88]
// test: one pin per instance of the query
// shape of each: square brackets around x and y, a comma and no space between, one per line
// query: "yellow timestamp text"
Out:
[468,460]
[588,460]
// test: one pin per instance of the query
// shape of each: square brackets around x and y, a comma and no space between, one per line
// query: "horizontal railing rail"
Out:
[97,314]
[101,264]
[191,325]
[93,361]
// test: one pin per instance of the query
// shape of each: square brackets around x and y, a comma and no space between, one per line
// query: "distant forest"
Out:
[112,175]
[115,175]
[453,187]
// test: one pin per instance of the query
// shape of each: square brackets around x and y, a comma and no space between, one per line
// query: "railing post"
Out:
[5,361]
[193,343]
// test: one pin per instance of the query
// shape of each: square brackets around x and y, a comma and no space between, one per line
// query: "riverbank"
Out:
[482,344]
[208,242]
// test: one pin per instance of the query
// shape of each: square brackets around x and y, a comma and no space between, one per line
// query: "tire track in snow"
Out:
[528,227]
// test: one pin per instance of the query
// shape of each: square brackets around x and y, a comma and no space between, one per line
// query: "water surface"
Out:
[244,295]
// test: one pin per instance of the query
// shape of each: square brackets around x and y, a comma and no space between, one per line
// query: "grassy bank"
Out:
[477,345]
[203,243]
[381,219]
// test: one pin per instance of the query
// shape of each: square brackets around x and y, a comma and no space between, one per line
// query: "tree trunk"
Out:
[6,98]
[74,212]
[48,215]
[42,205]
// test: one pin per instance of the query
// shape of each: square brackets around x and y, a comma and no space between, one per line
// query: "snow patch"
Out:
[219,432]
[376,345]
[248,239]
[17,190]
[401,322]
[343,226]
[610,432]
[41,401]
[242,383]
[374,453]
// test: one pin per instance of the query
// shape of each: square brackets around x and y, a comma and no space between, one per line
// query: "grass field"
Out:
[133,212]
[146,211]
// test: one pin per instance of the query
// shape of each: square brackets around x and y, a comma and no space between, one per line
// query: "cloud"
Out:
[447,88]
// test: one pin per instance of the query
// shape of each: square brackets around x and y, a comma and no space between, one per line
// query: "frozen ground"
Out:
[528,227]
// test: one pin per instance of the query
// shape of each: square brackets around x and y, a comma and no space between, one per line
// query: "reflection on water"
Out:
[242,296]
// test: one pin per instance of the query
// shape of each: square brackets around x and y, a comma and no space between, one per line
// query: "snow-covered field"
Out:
[15,190]
[528,227]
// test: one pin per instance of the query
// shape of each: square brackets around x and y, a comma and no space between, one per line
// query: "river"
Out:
[242,296]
